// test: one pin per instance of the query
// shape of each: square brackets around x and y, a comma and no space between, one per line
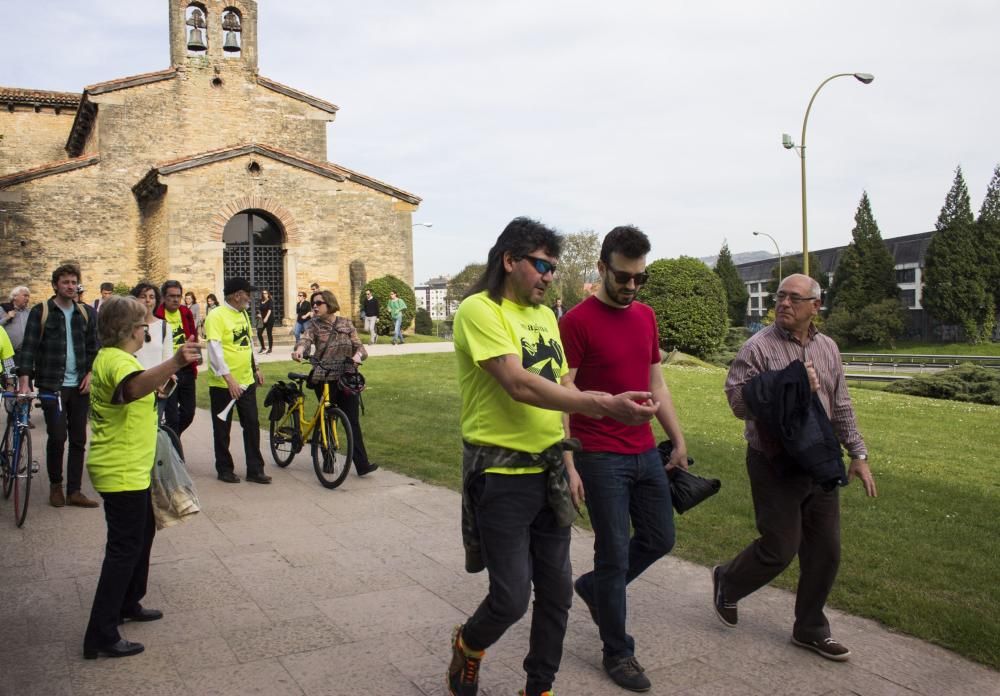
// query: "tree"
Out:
[381,287]
[423,324]
[878,323]
[789,266]
[866,273]
[736,291]
[690,305]
[955,291]
[462,281]
[988,231]
[577,266]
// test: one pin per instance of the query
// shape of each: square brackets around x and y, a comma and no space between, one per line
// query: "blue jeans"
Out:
[522,545]
[623,488]
[397,333]
[299,326]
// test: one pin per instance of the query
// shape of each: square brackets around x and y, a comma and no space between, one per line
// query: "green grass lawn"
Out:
[921,558]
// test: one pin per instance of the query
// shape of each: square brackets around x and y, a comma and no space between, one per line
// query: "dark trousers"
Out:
[125,570]
[522,545]
[71,423]
[350,404]
[246,406]
[623,491]
[269,328]
[179,411]
[794,515]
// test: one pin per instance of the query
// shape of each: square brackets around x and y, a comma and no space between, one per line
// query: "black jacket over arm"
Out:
[783,404]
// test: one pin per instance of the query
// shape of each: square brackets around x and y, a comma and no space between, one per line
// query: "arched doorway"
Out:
[254,250]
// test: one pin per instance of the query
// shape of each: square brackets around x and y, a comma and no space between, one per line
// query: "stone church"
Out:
[199,172]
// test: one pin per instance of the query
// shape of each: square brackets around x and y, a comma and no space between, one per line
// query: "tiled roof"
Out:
[297,94]
[48,169]
[131,81]
[31,97]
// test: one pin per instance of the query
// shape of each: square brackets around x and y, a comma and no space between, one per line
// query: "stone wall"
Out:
[29,138]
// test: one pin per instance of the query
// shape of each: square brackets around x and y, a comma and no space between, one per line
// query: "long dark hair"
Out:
[520,237]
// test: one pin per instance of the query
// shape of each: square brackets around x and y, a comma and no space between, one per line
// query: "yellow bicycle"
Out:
[328,431]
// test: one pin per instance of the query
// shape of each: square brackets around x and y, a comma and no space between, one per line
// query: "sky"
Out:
[665,115]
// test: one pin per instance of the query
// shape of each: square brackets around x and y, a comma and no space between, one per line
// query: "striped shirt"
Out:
[774,349]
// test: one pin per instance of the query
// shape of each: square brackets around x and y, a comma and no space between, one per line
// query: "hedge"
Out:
[381,287]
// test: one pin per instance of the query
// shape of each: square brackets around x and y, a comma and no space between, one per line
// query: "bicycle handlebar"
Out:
[28,396]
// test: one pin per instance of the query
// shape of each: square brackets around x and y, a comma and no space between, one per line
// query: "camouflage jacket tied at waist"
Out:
[477,458]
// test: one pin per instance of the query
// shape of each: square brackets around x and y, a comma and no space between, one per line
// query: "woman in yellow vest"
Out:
[122,448]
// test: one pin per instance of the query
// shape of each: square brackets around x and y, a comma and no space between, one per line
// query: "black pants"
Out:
[350,404]
[125,570]
[246,406]
[269,328]
[794,515]
[179,412]
[522,545]
[70,422]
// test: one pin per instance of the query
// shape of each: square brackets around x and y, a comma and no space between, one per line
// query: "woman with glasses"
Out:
[158,344]
[334,343]
[120,457]
[303,312]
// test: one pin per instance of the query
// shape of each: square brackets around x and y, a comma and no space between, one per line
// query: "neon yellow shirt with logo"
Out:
[232,330]
[484,330]
[6,347]
[177,326]
[123,436]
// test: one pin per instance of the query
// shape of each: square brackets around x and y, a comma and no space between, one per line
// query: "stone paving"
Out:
[295,589]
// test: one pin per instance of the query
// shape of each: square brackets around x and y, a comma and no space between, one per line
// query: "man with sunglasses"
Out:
[612,345]
[795,515]
[518,494]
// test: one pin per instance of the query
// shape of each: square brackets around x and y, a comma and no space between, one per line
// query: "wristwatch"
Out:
[862,457]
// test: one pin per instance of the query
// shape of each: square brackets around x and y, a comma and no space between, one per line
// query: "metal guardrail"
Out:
[867,377]
[918,360]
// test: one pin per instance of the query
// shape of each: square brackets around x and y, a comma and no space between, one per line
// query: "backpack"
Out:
[45,315]
[279,398]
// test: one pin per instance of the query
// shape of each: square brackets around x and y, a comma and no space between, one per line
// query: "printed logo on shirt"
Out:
[241,336]
[542,358]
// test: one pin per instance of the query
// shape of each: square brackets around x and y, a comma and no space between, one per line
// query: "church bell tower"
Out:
[213,33]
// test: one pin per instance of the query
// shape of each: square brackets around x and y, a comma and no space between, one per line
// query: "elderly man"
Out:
[795,513]
[14,315]
[234,376]
[518,493]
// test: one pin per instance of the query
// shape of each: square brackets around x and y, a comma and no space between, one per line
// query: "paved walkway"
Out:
[294,589]
[284,351]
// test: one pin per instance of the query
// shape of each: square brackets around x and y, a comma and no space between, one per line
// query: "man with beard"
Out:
[612,345]
[518,493]
[794,513]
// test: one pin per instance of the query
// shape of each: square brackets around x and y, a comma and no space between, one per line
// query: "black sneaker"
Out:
[626,672]
[591,607]
[726,611]
[463,672]
[827,647]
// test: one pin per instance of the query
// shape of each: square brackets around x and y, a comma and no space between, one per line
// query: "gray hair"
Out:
[118,318]
[18,290]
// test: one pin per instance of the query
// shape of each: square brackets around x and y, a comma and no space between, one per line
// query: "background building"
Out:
[198,172]
[431,296]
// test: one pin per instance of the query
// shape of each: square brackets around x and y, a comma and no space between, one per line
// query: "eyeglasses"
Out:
[622,278]
[145,332]
[543,266]
[794,299]
[317,303]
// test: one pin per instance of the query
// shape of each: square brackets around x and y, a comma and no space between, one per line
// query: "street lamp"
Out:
[423,224]
[788,144]
[776,248]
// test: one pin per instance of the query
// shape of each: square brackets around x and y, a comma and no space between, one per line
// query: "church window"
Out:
[231,31]
[254,168]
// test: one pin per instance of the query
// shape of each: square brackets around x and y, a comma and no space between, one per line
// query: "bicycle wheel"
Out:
[285,438]
[332,461]
[6,453]
[22,479]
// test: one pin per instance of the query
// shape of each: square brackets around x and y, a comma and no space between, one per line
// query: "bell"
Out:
[232,44]
[196,40]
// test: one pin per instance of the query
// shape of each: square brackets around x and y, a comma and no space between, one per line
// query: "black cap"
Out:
[236,284]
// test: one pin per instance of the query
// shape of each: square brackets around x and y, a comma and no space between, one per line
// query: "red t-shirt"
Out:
[611,349]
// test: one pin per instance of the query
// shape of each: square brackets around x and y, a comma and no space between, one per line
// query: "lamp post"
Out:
[776,248]
[788,143]
[423,224]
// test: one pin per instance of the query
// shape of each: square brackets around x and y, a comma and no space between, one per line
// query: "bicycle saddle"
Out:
[297,376]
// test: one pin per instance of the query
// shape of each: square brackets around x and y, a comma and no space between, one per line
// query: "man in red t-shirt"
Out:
[612,346]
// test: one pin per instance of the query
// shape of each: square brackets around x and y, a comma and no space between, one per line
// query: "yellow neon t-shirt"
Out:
[6,347]
[177,326]
[123,436]
[231,329]
[484,330]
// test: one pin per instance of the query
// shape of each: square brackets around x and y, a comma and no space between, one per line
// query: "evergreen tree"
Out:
[955,288]
[988,231]
[866,273]
[736,291]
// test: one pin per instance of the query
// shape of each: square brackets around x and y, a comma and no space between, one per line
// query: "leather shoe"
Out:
[78,499]
[229,477]
[143,614]
[259,478]
[56,497]
[123,648]
[368,469]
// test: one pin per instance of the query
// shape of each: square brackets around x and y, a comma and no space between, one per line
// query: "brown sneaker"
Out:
[463,672]
[827,647]
[80,500]
[56,497]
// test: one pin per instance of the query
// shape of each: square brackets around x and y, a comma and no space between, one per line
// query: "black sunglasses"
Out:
[543,266]
[622,278]
[317,303]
